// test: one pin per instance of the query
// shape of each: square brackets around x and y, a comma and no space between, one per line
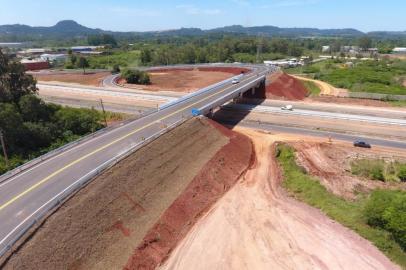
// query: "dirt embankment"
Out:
[331,164]
[213,181]
[90,78]
[185,79]
[256,225]
[157,192]
[281,85]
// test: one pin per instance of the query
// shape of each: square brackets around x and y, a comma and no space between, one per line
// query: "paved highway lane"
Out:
[319,114]
[322,134]
[26,192]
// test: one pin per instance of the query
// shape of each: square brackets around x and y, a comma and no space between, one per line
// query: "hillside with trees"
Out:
[31,127]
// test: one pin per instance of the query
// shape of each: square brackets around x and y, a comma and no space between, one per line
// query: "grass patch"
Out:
[378,169]
[366,76]
[350,214]
[312,88]
[400,103]
[121,58]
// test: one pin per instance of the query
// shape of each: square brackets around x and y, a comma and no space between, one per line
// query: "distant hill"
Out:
[70,29]
[287,32]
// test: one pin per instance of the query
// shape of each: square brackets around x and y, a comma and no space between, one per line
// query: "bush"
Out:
[402,173]
[116,69]
[373,169]
[386,209]
[136,77]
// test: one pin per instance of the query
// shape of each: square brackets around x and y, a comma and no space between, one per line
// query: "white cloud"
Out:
[193,10]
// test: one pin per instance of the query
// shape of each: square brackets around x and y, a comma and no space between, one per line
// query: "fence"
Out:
[376,96]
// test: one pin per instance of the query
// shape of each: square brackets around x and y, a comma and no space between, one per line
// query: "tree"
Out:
[116,69]
[146,56]
[83,63]
[14,82]
[365,43]
[136,77]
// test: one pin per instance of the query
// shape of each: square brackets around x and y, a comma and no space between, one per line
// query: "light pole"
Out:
[3,145]
[104,112]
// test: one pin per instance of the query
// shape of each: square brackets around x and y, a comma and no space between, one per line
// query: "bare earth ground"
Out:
[101,226]
[281,85]
[90,78]
[180,80]
[331,164]
[215,179]
[257,226]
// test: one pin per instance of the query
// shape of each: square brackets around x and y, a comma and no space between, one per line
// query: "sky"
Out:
[133,15]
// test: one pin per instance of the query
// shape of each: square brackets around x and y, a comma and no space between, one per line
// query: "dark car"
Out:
[362,144]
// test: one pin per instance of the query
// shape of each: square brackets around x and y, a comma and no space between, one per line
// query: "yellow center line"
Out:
[46,179]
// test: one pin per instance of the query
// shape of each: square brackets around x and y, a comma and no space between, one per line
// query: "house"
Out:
[325,49]
[53,57]
[79,49]
[35,64]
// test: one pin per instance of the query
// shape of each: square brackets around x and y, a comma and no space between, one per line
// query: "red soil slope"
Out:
[283,85]
[215,179]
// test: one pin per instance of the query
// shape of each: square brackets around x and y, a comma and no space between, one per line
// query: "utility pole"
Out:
[259,47]
[104,112]
[3,145]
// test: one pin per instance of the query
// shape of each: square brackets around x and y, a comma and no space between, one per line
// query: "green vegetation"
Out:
[136,77]
[378,169]
[31,127]
[103,39]
[113,58]
[379,217]
[399,103]
[372,76]
[83,64]
[312,88]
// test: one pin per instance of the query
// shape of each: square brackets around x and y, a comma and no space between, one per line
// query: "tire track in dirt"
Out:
[256,225]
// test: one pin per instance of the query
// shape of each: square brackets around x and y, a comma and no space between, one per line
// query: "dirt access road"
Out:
[257,226]
[326,89]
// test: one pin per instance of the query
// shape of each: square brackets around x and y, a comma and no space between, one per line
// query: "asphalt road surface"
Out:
[23,194]
[322,134]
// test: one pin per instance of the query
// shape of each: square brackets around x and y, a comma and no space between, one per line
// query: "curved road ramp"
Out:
[153,196]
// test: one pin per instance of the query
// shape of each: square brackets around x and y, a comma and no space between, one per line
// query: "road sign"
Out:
[196,112]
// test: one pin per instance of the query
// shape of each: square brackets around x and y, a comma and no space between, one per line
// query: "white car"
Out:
[287,108]
[235,81]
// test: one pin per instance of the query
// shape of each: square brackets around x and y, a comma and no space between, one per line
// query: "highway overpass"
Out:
[28,193]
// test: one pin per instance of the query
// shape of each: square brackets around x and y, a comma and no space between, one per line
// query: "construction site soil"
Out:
[257,225]
[330,163]
[281,85]
[90,78]
[141,207]
[185,79]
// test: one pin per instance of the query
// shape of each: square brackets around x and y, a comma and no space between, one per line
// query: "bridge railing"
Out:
[7,243]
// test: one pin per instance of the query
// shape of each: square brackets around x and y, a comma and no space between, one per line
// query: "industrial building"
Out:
[399,50]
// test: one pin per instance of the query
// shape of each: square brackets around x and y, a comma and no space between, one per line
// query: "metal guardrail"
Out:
[376,96]
[15,235]
[206,108]
[201,91]
[28,165]
[8,242]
